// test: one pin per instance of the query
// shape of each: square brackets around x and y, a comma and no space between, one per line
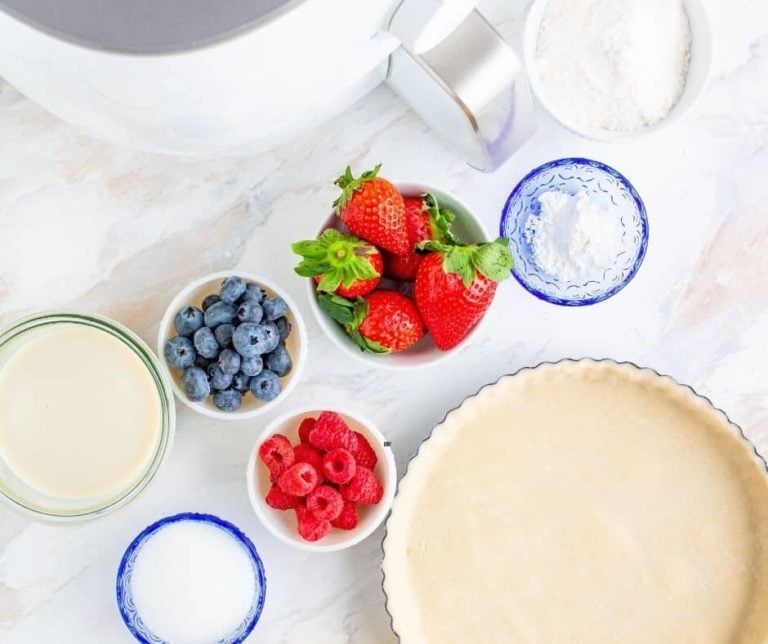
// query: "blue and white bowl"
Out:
[603,184]
[125,601]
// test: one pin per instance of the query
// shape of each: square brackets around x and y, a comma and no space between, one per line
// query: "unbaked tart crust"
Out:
[583,501]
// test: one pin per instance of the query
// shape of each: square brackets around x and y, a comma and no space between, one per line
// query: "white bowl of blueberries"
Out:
[234,345]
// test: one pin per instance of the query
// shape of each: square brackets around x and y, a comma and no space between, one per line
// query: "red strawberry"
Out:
[306,426]
[310,527]
[339,465]
[455,285]
[363,488]
[380,322]
[299,479]
[425,222]
[372,208]
[347,520]
[330,431]
[325,503]
[340,263]
[307,454]
[277,454]
[279,500]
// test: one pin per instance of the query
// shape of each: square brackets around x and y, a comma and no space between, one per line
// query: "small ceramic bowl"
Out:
[696,79]
[296,344]
[124,588]
[282,524]
[467,228]
[606,186]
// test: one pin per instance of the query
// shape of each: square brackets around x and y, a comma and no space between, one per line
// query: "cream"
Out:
[80,414]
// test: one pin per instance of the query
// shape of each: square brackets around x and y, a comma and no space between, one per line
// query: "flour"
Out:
[573,238]
[613,64]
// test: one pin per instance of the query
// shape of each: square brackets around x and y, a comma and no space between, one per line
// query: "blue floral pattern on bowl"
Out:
[603,184]
[125,601]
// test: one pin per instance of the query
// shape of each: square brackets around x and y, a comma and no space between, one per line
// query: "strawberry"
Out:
[380,322]
[425,221]
[340,263]
[455,285]
[372,208]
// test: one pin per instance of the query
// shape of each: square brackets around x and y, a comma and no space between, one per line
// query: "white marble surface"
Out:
[84,225]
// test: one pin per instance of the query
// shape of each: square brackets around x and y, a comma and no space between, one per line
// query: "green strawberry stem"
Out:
[349,184]
[440,219]
[340,259]
[350,316]
[491,259]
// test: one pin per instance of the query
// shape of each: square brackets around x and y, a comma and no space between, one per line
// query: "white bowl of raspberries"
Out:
[321,480]
[401,275]
[234,345]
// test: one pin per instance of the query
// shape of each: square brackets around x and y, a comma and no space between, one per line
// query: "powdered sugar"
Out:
[574,239]
[613,64]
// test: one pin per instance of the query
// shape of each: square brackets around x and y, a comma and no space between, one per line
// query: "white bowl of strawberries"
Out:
[401,275]
[321,480]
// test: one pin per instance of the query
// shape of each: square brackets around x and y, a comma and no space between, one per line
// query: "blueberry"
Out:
[241,382]
[202,362]
[273,336]
[254,293]
[279,361]
[195,383]
[250,311]
[231,289]
[180,352]
[210,300]
[220,313]
[228,400]
[252,365]
[266,386]
[205,343]
[250,340]
[284,326]
[223,334]
[188,320]
[274,308]
[219,379]
[229,361]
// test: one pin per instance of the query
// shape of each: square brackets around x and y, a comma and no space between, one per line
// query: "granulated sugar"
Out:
[193,583]
[613,64]
[573,238]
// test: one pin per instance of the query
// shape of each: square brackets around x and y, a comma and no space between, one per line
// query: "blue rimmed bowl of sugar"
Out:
[577,230]
[191,578]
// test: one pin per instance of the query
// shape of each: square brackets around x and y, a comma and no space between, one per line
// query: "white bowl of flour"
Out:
[612,70]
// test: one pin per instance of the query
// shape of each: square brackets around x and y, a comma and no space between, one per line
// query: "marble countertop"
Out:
[92,227]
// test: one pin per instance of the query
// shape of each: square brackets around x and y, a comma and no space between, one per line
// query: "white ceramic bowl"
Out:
[698,72]
[282,524]
[296,344]
[468,228]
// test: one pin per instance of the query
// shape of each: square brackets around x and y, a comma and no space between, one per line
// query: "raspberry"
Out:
[325,503]
[339,465]
[347,520]
[363,488]
[362,451]
[330,431]
[307,425]
[310,527]
[277,454]
[279,500]
[299,479]
[308,454]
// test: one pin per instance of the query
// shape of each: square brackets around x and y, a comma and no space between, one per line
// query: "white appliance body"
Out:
[255,89]
[266,80]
